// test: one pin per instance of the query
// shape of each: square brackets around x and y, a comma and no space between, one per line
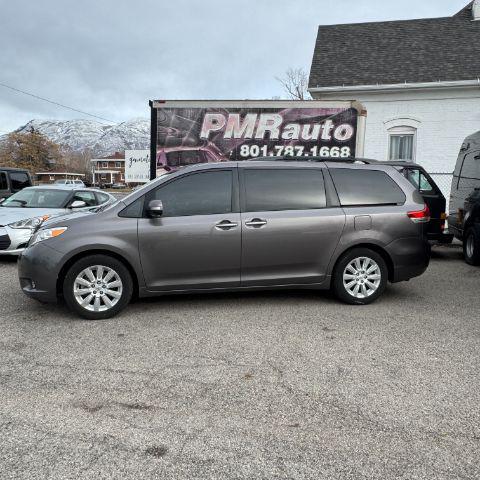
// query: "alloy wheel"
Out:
[362,277]
[97,288]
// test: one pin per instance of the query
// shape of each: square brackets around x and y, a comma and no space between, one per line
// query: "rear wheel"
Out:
[360,276]
[471,245]
[97,287]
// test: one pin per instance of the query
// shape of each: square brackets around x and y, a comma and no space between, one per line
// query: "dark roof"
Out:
[412,51]
[115,156]
[13,169]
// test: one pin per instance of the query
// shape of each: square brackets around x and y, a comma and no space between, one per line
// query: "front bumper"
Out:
[38,270]
[410,256]
[14,240]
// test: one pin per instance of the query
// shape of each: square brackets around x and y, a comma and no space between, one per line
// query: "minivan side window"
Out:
[366,187]
[284,189]
[19,180]
[203,193]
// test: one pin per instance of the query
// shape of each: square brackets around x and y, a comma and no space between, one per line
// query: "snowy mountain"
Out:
[102,139]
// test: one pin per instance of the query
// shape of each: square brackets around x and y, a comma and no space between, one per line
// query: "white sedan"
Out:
[22,213]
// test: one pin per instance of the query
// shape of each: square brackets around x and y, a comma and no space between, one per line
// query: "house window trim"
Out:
[402,130]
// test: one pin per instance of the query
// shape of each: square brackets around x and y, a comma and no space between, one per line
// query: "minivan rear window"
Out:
[284,189]
[366,187]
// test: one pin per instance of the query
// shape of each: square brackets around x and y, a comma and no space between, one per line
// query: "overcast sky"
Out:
[109,57]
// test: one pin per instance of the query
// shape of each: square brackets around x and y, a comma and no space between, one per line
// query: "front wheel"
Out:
[97,287]
[471,245]
[360,276]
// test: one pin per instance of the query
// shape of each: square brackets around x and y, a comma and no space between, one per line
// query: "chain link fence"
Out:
[444,182]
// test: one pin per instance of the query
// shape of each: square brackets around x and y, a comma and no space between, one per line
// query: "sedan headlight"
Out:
[30,223]
[47,233]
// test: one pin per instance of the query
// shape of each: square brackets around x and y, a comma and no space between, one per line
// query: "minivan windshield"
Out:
[38,198]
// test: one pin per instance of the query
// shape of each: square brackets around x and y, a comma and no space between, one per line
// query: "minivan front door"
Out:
[196,243]
[289,233]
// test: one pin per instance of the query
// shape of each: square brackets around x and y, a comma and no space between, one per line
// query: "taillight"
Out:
[443,219]
[420,216]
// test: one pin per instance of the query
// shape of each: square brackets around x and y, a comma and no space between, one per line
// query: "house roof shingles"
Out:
[385,53]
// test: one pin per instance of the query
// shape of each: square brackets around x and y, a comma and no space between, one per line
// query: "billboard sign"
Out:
[137,166]
[186,133]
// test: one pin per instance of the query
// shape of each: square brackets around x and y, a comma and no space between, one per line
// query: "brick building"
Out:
[108,170]
[51,177]
[418,79]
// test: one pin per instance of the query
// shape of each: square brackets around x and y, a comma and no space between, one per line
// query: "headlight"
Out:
[47,233]
[30,223]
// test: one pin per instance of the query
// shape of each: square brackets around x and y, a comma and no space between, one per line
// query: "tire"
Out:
[471,245]
[101,302]
[374,285]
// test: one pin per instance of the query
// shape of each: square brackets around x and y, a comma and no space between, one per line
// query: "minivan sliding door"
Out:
[289,233]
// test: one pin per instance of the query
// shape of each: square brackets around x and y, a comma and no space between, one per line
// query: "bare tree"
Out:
[295,84]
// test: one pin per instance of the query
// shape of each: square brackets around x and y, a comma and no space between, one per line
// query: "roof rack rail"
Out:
[289,158]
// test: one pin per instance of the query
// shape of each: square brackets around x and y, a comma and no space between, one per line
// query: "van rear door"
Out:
[466,182]
[433,197]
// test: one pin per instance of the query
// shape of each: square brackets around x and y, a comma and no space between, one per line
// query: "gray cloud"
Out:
[110,57]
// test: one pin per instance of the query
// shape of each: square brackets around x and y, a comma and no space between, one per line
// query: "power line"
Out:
[54,103]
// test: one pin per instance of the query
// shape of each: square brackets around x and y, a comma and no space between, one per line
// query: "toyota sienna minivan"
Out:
[235,226]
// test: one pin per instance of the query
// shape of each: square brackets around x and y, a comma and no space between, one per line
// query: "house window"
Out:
[118,164]
[104,164]
[103,176]
[402,143]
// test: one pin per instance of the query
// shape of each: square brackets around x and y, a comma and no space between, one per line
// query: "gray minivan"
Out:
[236,226]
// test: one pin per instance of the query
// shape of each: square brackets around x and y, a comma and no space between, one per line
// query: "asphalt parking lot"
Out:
[289,385]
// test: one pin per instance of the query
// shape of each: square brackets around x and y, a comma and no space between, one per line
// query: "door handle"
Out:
[256,223]
[226,225]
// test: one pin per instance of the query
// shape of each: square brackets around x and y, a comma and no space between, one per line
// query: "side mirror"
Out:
[155,208]
[78,204]
[2,199]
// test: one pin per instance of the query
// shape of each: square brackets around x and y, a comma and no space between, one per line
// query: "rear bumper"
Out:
[410,256]
[38,272]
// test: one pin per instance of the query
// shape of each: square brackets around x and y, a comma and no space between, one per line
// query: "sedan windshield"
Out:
[38,198]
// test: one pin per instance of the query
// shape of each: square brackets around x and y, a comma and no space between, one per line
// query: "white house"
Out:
[418,79]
